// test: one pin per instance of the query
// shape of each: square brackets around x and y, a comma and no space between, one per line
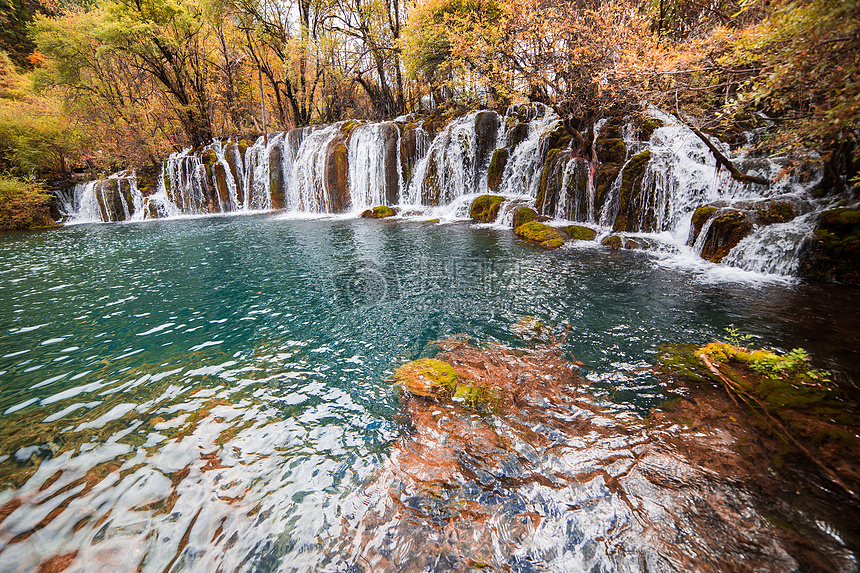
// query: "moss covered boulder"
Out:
[427,377]
[834,255]
[551,180]
[611,150]
[776,212]
[437,380]
[497,168]
[631,215]
[486,208]
[379,212]
[700,216]
[579,233]
[644,127]
[516,135]
[543,235]
[727,229]
[524,215]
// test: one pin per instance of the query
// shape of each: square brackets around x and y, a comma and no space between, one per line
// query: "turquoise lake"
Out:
[211,393]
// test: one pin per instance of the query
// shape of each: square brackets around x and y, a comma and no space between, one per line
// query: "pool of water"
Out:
[209,394]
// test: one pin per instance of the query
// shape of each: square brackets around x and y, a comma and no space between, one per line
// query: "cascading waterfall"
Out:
[352,166]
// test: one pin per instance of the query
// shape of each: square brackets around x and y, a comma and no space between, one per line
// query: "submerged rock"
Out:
[486,208]
[835,253]
[544,235]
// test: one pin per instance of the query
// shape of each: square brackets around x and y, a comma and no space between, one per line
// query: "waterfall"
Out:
[417,164]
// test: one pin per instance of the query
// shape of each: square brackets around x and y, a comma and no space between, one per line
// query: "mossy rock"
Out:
[243,147]
[776,212]
[497,168]
[580,233]
[617,242]
[518,134]
[604,177]
[700,217]
[486,208]
[612,129]
[614,242]
[611,150]
[524,215]
[276,178]
[427,377]
[558,138]
[835,253]
[645,127]
[379,212]
[544,235]
[437,380]
[726,231]
[337,175]
[631,187]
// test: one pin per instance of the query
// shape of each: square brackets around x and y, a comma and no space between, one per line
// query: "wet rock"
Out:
[430,192]
[834,255]
[427,377]
[337,175]
[486,208]
[644,127]
[408,152]
[109,201]
[617,242]
[550,190]
[516,135]
[543,235]
[631,213]
[497,168]
[486,128]
[612,151]
[524,215]
[276,177]
[776,212]
[391,139]
[236,162]
[380,212]
[220,175]
[579,233]
[727,229]
[700,216]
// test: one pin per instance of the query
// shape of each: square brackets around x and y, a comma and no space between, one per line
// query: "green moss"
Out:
[497,168]
[700,217]
[243,147]
[777,212]
[349,126]
[631,187]
[646,126]
[431,378]
[681,360]
[611,150]
[580,233]
[427,377]
[544,235]
[486,208]
[524,215]
[383,211]
[725,232]
[613,242]
[558,138]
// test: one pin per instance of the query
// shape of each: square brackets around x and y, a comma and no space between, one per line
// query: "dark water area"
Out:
[215,392]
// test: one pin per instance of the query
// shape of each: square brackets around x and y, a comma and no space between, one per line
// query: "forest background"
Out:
[88,87]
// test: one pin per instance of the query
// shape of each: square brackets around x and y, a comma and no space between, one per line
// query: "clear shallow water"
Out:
[212,392]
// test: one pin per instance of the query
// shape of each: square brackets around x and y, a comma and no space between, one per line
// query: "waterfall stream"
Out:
[433,172]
